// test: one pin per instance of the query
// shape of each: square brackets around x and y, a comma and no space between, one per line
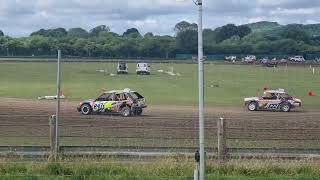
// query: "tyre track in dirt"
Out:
[30,118]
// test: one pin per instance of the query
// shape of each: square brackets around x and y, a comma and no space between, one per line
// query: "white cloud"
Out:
[21,17]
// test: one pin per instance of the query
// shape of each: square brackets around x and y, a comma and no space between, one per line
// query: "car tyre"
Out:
[252,106]
[86,109]
[138,112]
[285,107]
[125,111]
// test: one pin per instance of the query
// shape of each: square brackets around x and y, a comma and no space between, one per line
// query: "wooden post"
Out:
[222,150]
[53,149]
[196,174]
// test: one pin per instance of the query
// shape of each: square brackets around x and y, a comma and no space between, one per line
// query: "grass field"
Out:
[225,85]
[171,168]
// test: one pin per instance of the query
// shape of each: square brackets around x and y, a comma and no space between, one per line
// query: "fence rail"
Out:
[225,138]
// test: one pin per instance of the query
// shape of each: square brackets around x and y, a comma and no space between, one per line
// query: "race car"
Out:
[124,102]
[275,100]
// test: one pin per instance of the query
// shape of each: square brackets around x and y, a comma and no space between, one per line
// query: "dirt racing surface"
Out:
[25,122]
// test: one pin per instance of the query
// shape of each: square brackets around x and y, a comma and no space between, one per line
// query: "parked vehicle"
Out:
[273,100]
[124,102]
[143,69]
[269,63]
[297,59]
[264,60]
[122,68]
[283,61]
[250,59]
[231,58]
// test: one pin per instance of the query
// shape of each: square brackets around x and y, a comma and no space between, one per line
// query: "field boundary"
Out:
[267,153]
[157,61]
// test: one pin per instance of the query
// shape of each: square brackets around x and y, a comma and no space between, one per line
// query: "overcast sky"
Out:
[21,17]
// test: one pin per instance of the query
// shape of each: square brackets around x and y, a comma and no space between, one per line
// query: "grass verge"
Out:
[170,168]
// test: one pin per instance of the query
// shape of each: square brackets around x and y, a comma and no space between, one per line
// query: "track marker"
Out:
[311,94]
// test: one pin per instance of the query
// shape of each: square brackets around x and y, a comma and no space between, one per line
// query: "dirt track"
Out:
[26,122]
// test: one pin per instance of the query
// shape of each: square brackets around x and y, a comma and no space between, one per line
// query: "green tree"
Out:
[99,29]
[243,31]
[295,32]
[185,26]
[78,33]
[132,33]
[1,33]
[58,32]
[149,34]
[226,32]
[187,41]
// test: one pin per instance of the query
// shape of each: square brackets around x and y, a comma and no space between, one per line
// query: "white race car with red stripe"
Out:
[273,100]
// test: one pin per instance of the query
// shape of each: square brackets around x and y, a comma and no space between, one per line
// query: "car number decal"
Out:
[272,106]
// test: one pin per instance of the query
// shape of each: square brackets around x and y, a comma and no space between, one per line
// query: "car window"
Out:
[104,97]
[270,96]
[285,96]
[120,97]
[136,95]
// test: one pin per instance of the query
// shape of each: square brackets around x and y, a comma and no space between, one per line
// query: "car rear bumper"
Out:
[139,107]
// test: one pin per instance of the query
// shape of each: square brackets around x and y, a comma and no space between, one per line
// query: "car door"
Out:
[104,102]
[270,101]
[274,102]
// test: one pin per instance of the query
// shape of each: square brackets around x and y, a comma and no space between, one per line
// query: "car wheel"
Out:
[285,108]
[86,109]
[139,112]
[126,111]
[252,106]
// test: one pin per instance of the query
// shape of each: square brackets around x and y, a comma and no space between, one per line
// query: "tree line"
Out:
[101,42]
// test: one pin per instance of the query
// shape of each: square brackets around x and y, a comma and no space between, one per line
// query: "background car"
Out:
[122,68]
[283,61]
[297,59]
[231,58]
[250,59]
[143,69]
[273,100]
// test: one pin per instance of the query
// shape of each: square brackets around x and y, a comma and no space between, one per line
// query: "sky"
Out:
[21,17]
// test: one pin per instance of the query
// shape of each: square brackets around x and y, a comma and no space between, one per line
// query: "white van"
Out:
[143,69]
[122,68]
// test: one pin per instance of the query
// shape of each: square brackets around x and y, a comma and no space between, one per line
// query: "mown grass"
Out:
[170,168]
[225,85]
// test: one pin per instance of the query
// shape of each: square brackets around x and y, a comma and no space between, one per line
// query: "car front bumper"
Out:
[297,104]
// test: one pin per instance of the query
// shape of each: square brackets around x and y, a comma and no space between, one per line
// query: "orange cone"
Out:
[310,94]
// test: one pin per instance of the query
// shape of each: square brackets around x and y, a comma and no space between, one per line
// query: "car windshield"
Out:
[122,66]
[136,95]
[105,97]
[285,96]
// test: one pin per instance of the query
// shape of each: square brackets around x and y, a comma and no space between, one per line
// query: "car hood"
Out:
[251,99]
[87,101]
[296,99]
